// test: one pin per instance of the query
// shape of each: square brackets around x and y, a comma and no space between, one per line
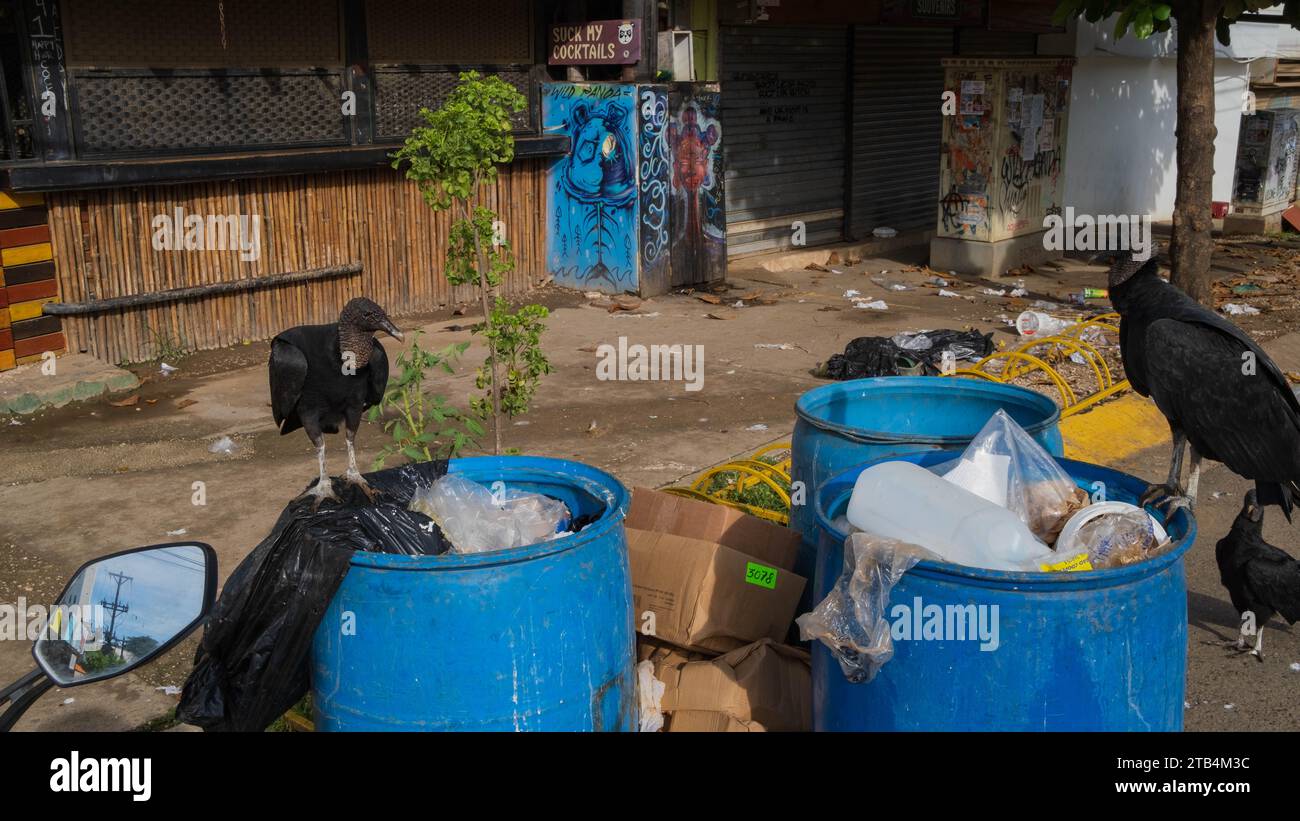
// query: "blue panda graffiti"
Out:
[593,190]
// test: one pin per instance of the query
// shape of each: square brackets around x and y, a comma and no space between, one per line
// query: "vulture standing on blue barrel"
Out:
[1221,393]
[326,375]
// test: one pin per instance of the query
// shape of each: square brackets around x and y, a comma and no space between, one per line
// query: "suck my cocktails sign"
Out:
[599,42]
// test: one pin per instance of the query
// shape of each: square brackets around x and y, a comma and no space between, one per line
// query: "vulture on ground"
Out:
[324,376]
[1260,579]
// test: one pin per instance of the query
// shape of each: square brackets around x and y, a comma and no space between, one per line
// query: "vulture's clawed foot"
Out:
[1166,497]
[361,484]
[319,492]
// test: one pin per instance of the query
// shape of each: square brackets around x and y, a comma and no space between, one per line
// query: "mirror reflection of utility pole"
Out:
[115,608]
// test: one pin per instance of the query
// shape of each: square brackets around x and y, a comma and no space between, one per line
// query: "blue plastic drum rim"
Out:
[877,388]
[1181,527]
[519,469]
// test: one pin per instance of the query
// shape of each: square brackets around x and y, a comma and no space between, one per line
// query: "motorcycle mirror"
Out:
[120,611]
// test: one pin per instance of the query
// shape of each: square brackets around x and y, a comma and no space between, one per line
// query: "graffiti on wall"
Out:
[592,205]
[1036,104]
[1266,159]
[699,218]
[654,171]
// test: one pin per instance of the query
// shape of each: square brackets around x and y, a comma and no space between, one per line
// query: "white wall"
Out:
[1119,155]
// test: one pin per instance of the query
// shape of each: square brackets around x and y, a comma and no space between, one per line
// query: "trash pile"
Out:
[913,354]
[715,593]
[1004,504]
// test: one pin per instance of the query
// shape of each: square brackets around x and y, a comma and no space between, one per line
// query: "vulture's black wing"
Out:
[288,369]
[1273,578]
[1247,422]
[378,367]
[1194,312]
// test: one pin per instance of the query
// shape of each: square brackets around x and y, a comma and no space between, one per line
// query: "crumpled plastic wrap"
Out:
[1118,539]
[1004,461]
[851,621]
[475,518]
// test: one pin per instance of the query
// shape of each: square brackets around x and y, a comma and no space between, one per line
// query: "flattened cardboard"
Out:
[699,596]
[762,687]
[660,512]
[690,563]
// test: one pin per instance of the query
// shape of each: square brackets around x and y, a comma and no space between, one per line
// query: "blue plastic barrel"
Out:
[851,423]
[1095,650]
[531,638]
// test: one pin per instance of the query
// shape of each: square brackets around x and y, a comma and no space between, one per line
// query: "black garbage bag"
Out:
[869,356]
[252,663]
[865,357]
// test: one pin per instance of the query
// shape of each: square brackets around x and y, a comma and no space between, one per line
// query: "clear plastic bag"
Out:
[1006,466]
[475,518]
[1118,539]
[851,621]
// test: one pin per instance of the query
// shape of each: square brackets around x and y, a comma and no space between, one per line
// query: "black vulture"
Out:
[1261,579]
[326,375]
[1220,392]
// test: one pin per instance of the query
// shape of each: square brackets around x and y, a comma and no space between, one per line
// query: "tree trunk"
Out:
[486,301]
[1193,242]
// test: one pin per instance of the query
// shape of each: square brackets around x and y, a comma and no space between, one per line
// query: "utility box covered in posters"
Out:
[1264,183]
[1001,161]
[637,204]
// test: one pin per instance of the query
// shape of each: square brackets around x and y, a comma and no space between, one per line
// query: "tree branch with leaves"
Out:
[452,157]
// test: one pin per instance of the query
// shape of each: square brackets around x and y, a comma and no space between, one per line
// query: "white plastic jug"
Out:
[904,501]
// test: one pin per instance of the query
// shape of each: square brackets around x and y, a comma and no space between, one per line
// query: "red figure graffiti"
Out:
[692,163]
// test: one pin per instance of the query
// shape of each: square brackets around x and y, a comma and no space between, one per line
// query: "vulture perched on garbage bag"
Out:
[1260,579]
[324,376]
[1221,393]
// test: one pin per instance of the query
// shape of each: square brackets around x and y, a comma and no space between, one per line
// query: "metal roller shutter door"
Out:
[784,116]
[897,126]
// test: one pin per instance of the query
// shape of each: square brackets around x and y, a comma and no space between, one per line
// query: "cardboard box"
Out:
[762,687]
[714,578]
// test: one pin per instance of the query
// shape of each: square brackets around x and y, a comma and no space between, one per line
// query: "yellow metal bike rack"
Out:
[748,473]
[1020,361]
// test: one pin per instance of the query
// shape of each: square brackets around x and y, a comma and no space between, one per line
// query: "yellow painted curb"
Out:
[1115,430]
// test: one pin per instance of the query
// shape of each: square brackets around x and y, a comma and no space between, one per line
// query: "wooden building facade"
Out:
[119,115]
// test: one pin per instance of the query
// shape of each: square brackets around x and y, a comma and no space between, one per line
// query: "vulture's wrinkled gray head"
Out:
[1123,266]
[363,315]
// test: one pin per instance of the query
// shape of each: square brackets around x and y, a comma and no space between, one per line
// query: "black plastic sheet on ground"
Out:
[252,664]
[869,356]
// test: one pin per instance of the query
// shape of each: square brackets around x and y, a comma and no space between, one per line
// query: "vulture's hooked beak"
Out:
[391,330]
[1252,509]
